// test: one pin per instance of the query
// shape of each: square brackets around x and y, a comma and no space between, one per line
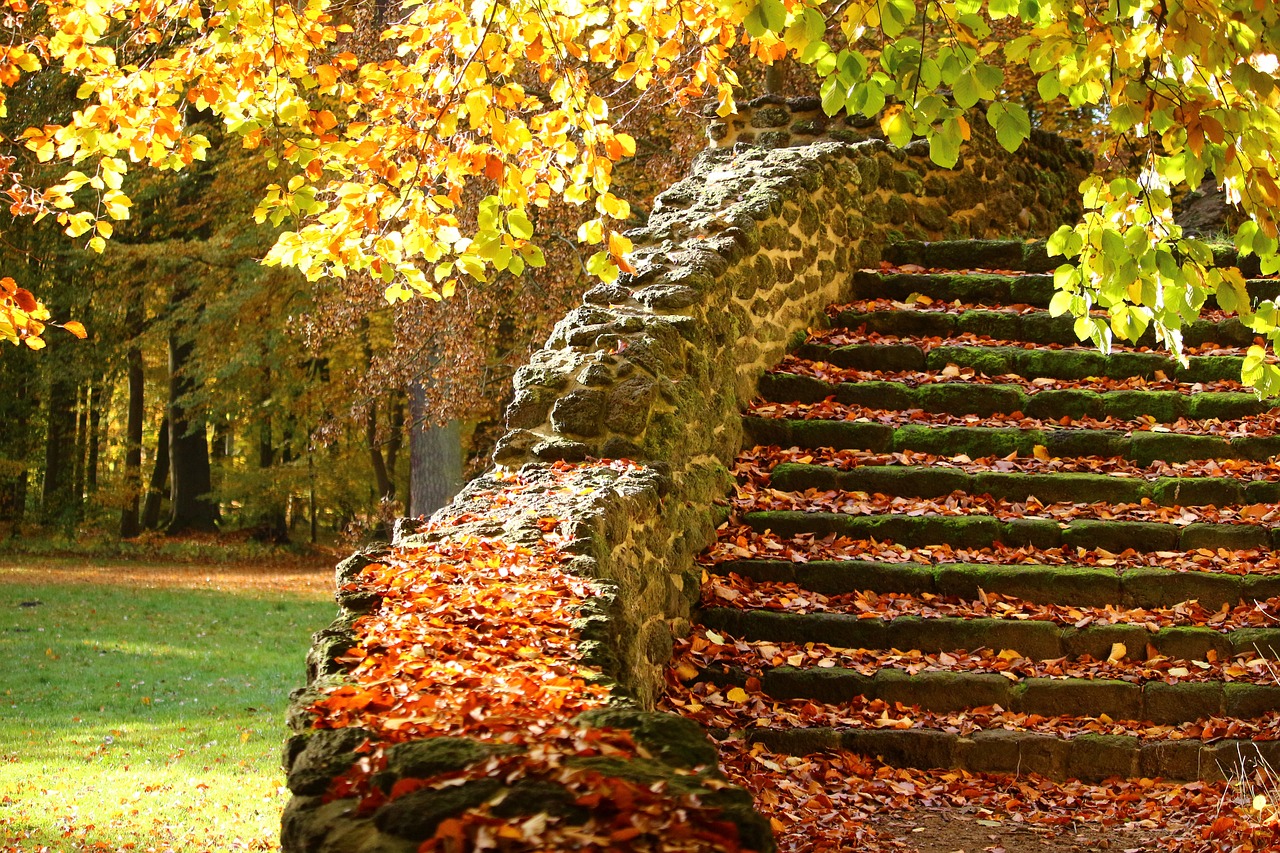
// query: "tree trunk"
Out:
[59,449]
[129,522]
[99,399]
[384,484]
[191,480]
[82,447]
[159,476]
[435,457]
[17,409]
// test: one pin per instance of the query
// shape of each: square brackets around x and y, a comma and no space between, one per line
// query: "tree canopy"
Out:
[419,141]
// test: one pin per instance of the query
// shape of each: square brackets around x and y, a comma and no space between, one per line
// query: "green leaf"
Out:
[1012,124]
[1060,303]
[944,144]
[774,14]
[833,95]
[896,16]
[965,90]
[519,225]
[1049,85]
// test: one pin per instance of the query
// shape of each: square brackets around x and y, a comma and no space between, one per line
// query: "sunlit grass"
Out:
[146,719]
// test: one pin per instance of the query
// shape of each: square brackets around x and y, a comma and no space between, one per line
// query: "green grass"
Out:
[146,719]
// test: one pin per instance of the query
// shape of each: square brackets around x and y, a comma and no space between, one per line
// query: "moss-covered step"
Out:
[1080,586]
[972,254]
[1089,757]
[995,361]
[977,289]
[1032,326]
[1062,486]
[1142,447]
[982,531]
[944,692]
[984,400]
[1030,638]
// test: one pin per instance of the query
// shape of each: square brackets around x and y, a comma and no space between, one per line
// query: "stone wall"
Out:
[734,264]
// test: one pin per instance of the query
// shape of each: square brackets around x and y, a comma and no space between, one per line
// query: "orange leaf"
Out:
[76,328]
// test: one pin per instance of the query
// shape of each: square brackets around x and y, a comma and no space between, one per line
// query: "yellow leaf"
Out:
[76,328]
[738,695]
[1042,453]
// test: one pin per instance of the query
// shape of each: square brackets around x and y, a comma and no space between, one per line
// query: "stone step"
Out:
[931,482]
[1088,757]
[973,254]
[1031,326]
[1019,255]
[959,397]
[1158,702]
[1032,638]
[991,288]
[1081,586]
[980,531]
[1142,447]
[1035,363]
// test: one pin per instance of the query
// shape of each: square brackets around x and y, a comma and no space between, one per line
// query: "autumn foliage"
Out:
[475,637]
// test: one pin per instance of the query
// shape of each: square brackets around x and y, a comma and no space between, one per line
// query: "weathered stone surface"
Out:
[579,412]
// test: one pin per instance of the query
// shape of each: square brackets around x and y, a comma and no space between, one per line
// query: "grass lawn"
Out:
[141,707]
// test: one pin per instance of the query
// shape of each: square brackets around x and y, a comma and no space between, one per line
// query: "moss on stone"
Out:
[1040,584]
[902,480]
[893,396]
[1197,491]
[1186,642]
[836,577]
[1264,641]
[1232,537]
[1117,536]
[998,325]
[673,740]
[974,442]
[840,434]
[1031,638]
[1210,368]
[1079,697]
[974,254]
[942,692]
[876,357]
[1164,406]
[1122,365]
[1086,442]
[1226,405]
[1032,290]
[1165,588]
[1043,329]
[1060,364]
[965,399]
[1055,404]
[1174,447]
[822,684]
[1061,486]
[989,361]
[790,388]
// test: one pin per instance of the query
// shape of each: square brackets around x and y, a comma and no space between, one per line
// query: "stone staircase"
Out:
[965,540]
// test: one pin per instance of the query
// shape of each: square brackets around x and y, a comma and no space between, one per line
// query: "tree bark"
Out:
[59,449]
[385,485]
[82,447]
[159,477]
[16,412]
[99,399]
[130,523]
[435,457]
[191,480]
